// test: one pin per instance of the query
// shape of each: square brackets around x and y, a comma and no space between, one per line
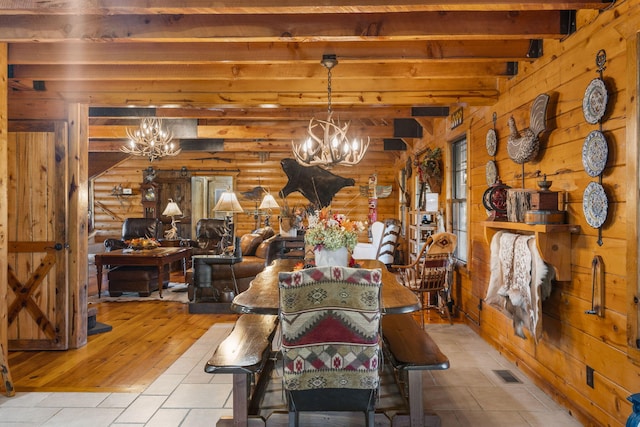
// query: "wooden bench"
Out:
[411,350]
[244,354]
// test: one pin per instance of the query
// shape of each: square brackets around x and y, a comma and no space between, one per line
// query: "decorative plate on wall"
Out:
[594,153]
[594,103]
[491,172]
[595,204]
[492,142]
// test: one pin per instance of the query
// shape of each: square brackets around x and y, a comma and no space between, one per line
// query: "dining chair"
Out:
[389,242]
[370,250]
[331,341]
[429,275]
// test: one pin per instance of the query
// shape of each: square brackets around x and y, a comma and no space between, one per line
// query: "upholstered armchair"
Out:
[330,320]
[208,281]
[133,228]
[209,232]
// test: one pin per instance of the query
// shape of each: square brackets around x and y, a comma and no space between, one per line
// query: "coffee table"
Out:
[158,257]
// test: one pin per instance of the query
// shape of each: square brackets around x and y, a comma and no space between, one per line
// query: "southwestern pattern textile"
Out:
[330,319]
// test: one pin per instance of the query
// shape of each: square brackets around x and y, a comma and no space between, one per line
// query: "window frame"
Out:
[455,202]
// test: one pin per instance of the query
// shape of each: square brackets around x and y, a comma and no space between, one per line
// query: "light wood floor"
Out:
[147,337]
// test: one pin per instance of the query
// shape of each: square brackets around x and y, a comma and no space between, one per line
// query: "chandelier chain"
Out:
[329,110]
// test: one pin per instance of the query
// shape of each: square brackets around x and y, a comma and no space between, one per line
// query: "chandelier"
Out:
[327,143]
[150,140]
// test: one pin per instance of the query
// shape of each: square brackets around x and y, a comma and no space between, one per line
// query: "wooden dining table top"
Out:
[262,297]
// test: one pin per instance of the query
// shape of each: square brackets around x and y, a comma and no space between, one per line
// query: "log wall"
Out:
[572,340]
[250,172]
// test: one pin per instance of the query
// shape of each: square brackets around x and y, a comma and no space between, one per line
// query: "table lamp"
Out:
[228,202]
[172,210]
[268,203]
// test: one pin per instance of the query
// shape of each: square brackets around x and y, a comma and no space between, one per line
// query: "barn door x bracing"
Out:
[38,286]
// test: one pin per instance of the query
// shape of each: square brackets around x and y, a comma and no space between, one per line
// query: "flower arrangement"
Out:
[332,231]
[142,243]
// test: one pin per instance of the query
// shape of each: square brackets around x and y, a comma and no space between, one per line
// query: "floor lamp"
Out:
[228,203]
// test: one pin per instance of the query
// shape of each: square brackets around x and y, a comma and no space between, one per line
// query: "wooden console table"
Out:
[552,240]
[158,257]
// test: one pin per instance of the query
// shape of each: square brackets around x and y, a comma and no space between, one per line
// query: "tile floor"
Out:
[470,393]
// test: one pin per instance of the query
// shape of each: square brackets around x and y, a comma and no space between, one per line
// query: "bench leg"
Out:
[416,407]
[240,400]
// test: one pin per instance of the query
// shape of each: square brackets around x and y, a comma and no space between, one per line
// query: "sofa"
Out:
[212,282]
[141,279]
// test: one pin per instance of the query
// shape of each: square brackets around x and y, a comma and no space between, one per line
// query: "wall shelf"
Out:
[418,232]
[553,242]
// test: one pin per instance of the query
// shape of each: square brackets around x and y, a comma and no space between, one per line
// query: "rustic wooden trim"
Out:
[22,247]
[169,7]
[4,179]
[632,162]
[527,24]
[31,126]
[23,294]
[77,228]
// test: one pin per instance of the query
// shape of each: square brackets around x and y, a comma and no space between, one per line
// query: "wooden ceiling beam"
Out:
[292,28]
[250,115]
[253,132]
[244,146]
[274,100]
[79,53]
[231,74]
[114,7]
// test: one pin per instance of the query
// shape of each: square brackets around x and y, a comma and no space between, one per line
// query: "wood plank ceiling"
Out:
[249,70]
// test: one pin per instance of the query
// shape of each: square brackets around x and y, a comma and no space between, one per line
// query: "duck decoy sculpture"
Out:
[523,146]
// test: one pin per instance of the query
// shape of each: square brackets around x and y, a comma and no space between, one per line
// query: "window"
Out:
[459,197]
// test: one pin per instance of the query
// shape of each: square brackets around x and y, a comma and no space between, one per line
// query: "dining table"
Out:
[262,297]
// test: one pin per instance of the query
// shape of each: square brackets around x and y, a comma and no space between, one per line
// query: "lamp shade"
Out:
[228,202]
[268,202]
[172,209]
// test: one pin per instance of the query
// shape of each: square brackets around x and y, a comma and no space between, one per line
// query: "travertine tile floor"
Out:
[470,393]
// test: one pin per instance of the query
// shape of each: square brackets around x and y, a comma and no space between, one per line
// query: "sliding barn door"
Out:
[38,286]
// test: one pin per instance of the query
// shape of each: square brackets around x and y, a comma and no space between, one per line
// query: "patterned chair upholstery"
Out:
[330,320]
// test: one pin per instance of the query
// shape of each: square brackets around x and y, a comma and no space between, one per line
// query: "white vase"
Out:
[338,257]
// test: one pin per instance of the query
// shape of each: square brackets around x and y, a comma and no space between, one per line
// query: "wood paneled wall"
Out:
[572,340]
[110,211]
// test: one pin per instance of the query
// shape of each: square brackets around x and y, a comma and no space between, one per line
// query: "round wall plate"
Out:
[595,204]
[492,142]
[594,103]
[594,153]
[491,172]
